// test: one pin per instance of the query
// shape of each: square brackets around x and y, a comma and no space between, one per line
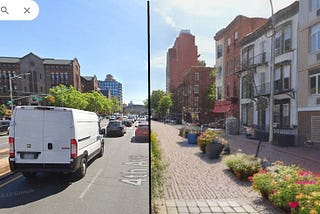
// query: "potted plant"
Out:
[243,166]
[211,143]
[193,134]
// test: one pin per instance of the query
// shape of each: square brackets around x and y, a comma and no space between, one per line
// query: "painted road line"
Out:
[87,188]
[10,181]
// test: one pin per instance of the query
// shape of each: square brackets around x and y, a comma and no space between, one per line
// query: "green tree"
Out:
[210,96]
[155,98]
[165,104]
[116,105]
[3,110]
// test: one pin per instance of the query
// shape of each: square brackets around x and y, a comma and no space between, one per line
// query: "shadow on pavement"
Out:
[186,144]
[23,191]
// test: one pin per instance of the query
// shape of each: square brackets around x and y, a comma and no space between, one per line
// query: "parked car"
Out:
[53,139]
[4,126]
[128,122]
[115,128]
[142,132]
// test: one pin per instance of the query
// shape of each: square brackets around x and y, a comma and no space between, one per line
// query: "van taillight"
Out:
[74,150]
[11,147]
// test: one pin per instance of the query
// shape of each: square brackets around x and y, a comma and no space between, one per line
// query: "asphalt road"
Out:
[4,142]
[116,183]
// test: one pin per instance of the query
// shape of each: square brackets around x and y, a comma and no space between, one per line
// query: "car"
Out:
[115,128]
[142,132]
[4,126]
[128,122]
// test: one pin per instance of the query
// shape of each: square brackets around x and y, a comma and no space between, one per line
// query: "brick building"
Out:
[192,93]
[44,73]
[227,58]
[89,83]
[180,58]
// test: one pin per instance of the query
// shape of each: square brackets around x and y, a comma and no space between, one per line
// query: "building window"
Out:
[52,76]
[246,89]
[235,38]
[40,76]
[196,76]
[41,89]
[282,77]
[314,4]
[66,76]
[315,38]
[196,102]
[234,89]
[228,90]
[247,57]
[219,92]
[219,75]
[281,113]
[283,39]
[219,51]
[196,89]
[315,83]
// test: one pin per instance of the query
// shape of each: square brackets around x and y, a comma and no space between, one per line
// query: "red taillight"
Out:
[74,148]
[11,147]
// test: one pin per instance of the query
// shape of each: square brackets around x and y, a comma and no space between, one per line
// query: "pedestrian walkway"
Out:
[196,184]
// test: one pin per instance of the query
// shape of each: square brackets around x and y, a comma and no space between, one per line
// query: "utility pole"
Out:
[272,59]
[10,87]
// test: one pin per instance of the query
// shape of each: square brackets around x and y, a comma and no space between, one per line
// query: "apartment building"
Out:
[42,74]
[89,83]
[192,93]
[111,86]
[255,74]
[227,42]
[309,71]
[180,58]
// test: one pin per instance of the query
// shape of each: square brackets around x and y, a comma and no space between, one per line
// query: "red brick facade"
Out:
[232,36]
[180,58]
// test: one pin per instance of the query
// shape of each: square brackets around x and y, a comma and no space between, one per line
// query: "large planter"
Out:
[192,138]
[213,150]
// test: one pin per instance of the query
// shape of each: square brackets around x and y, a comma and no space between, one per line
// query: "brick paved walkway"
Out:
[196,184]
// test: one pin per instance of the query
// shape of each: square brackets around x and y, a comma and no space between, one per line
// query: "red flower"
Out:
[263,171]
[274,191]
[250,178]
[318,175]
[293,204]
[305,173]
[305,182]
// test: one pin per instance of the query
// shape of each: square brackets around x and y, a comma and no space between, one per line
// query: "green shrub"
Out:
[157,172]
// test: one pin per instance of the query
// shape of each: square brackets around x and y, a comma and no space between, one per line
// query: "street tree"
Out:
[3,110]
[155,98]
[164,104]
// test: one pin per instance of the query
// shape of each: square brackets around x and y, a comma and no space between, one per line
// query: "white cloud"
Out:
[204,18]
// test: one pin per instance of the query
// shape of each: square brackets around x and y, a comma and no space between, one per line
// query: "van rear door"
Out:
[57,135]
[28,136]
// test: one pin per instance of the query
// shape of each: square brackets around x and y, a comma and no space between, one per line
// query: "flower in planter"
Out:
[293,204]
[243,165]
[208,137]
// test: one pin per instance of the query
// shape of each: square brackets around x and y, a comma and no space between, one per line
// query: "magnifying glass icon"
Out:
[4,10]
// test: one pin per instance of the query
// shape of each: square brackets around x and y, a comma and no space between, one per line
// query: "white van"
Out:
[53,139]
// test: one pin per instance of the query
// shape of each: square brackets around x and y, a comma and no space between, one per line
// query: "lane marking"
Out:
[10,181]
[89,185]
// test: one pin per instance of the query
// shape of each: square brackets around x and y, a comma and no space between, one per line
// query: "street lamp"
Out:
[10,86]
[272,59]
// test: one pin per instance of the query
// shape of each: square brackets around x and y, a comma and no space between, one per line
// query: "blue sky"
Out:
[110,36]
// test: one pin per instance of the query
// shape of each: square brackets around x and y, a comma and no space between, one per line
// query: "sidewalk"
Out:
[196,184]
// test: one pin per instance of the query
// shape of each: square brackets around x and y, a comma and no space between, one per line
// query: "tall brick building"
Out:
[180,58]
[45,73]
[227,59]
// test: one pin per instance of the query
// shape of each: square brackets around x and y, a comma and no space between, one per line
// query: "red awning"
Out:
[221,108]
